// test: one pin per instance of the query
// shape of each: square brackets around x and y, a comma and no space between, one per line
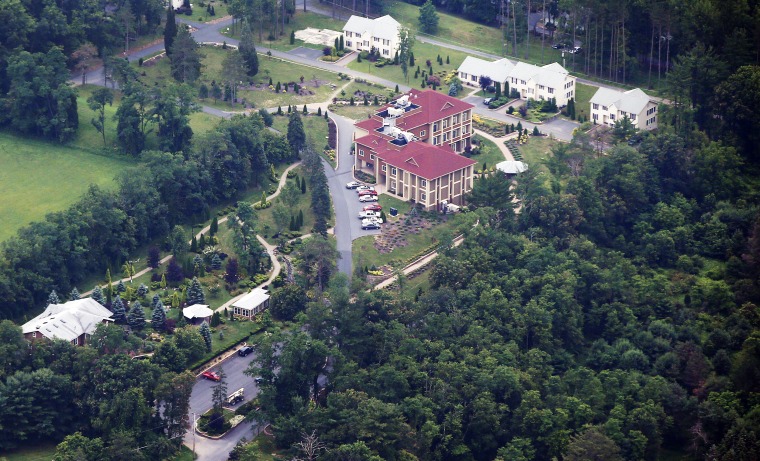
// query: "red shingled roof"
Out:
[433,106]
[425,160]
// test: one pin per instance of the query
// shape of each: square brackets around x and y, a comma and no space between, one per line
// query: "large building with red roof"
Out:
[412,147]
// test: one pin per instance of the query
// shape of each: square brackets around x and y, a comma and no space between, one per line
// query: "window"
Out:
[633,117]
[551,90]
[435,140]
[348,43]
[435,126]
[384,167]
[456,119]
[386,52]
[422,133]
[604,107]
[445,123]
[423,183]
[474,78]
[465,116]
[612,116]
[465,129]
[393,171]
[455,133]
[371,156]
[423,197]
[540,87]
[361,152]
[376,39]
[596,116]
[445,137]
[596,106]
[348,34]
[34,334]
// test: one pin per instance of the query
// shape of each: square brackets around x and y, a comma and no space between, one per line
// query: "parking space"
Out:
[307,53]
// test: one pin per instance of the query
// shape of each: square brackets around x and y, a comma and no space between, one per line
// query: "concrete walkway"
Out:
[498,141]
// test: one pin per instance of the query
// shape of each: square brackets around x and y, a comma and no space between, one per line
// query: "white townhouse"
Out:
[532,82]
[609,105]
[363,34]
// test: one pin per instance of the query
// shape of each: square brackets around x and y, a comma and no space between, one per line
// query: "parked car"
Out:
[576,49]
[258,380]
[367,192]
[370,225]
[213,376]
[364,187]
[236,396]
[368,198]
[353,185]
[368,214]
[487,101]
[558,46]
[245,350]
[372,207]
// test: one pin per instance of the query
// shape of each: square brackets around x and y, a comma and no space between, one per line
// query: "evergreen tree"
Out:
[292,37]
[202,242]
[214,226]
[97,295]
[215,320]
[120,287]
[571,108]
[154,256]
[303,185]
[305,110]
[300,219]
[142,290]
[247,51]
[319,111]
[279,110]
[170,30]
[216,262]
[296,134]
[155,301]
[136,317]
[195,293]
[396,89]
[336,44]
[53,298]
[74,295]
[375,101]
[158,320]
[342,43]
[447,60]
[194,245]
[206,333]
[292,225]
[411,60]
[119,314]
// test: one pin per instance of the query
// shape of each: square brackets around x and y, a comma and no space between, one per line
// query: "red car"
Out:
[213,376]
[372,207]
[367,192]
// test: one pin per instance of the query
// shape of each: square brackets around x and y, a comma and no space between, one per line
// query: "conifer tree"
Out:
[195,293]
[303,185]
[214,226]
[154,302]
[97,295]
[319,111]
[158,319]
[300,219]
[142,290]
[53,298]
[202,242]
[119,314]
[74,295]
[194,245]
[292,225]
[248,52]
[206,333]
[136,317]
[170,31]
[120,287]
[305,110]
[216,262]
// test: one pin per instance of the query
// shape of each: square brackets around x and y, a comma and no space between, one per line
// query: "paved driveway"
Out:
[200,402]
[307,53]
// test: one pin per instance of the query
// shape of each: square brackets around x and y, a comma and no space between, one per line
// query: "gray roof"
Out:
[383,27]
[632,101]
[252,300]
[69,320]
[498,71]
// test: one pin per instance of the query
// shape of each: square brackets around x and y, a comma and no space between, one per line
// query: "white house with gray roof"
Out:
[252,304]
[532,82]
[363,34]
[610,105]
[73,321]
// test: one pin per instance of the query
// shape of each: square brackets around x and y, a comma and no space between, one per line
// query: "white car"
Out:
[368,198]
[352,185]
[364,187]
[368,214]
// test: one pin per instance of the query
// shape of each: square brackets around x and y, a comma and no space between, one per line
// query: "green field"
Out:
[39,452]
[490,154]
[299,21]
[536,150]
[201,15]
[40,177]
[583,94]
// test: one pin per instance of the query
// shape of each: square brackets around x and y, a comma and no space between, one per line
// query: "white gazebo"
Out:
[512,167]
[198,313]
[253,303]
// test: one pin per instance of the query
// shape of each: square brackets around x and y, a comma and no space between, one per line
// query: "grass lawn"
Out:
[39,452]
[314,126]
[299,21]
[185,454]
[489,154]
[422,53]
[583,94]
[202,122]
[536,150]
[356,112]
[39,177]
[365,254]
[201,15]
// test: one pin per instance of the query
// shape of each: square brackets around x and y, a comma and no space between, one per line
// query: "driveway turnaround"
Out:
[200,402]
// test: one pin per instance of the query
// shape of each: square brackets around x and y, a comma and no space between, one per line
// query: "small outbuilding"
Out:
[198,313]
[254,303]
[512,167]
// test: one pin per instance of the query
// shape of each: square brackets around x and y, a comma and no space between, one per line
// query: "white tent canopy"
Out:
[197,311]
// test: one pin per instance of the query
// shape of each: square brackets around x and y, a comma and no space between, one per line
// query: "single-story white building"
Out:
[532,82]
[363,34]
[609,105]
[198,313]
[72,321]
[254,303]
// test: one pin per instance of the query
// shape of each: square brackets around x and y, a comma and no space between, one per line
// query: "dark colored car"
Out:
[245,350]
[558,46]
[258,380]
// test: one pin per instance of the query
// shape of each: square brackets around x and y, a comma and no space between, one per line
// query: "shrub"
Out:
[327,51]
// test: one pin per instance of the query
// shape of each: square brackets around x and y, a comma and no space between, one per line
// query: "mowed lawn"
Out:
[38,177]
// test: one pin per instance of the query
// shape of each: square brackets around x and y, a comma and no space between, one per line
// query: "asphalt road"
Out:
[200,402]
